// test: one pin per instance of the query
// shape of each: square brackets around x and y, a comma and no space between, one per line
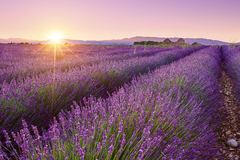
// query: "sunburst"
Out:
[55,45]
[55,38]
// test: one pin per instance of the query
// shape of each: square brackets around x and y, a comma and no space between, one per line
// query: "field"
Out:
[114,101]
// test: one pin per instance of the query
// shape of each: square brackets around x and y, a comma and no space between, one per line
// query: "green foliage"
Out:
[146,43]
[195,44]
[161,45]
[185,46]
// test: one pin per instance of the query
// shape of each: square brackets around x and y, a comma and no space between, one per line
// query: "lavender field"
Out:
[113,101]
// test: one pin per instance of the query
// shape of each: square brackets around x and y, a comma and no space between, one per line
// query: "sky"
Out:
[117,19]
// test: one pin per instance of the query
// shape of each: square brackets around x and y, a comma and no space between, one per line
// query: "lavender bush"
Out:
[167,114]
[40,98]
[24,64]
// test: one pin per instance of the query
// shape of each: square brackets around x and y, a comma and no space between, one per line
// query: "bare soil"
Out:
[230,127]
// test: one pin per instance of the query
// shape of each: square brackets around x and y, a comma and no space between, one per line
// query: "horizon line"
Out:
[29,39]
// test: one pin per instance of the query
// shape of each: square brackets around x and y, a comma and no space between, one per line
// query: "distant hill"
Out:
[202,41]
[129,41]
[19,40]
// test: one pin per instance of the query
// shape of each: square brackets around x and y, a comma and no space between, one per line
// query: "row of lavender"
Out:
[26,62]
[39,58]
[22,65]
[40,98]
[161,115]
[231,59]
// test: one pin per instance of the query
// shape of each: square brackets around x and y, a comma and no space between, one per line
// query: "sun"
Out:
[55,38]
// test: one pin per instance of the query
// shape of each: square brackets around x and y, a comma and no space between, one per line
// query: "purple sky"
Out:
[114,19]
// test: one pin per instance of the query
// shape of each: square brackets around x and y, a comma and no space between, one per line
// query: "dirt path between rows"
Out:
[230,128]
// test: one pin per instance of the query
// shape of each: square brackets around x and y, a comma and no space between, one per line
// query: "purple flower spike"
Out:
[110,149]
[8,142]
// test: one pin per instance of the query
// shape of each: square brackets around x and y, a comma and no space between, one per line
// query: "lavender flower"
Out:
[120,128]
[99,147]
[8,142]
[110,149]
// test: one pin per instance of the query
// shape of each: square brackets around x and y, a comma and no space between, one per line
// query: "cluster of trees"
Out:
[24,43]
[21,43]
[167,41]
[147,43]
[195,44]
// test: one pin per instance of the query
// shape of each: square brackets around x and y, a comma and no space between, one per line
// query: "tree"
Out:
[195,44]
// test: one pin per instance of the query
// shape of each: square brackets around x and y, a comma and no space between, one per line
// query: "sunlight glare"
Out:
[55,38]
